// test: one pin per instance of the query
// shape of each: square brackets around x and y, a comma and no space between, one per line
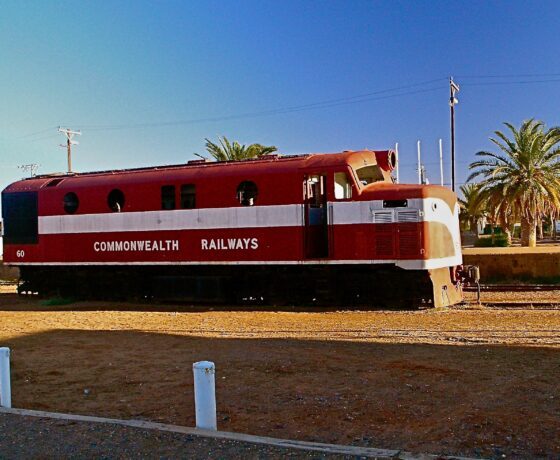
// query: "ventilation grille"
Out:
[410,236]
[407,216]
[382,217]
[384,245]
[408,244]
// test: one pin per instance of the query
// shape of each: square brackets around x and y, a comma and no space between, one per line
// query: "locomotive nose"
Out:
[431,212]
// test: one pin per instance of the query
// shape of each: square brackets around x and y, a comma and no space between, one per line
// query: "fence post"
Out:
[5,388]
[205,395]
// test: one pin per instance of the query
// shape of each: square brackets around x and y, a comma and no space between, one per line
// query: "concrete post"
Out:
[5,388]
[205,395]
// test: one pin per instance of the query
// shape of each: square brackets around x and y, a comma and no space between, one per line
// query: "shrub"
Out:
[500,241]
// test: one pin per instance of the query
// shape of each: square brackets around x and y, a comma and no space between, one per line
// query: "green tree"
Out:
[472,206]
[499,210]
[225,150]
[525,174]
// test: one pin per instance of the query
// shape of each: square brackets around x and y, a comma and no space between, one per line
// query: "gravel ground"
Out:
[37,438]
[471,382]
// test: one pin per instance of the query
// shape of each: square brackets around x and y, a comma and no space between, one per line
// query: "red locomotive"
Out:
[325,228]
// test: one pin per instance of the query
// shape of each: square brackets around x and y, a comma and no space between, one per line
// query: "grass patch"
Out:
[55,301]
[500,241]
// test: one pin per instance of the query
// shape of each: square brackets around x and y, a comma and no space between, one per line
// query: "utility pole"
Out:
[419,163]
[69,143]
[440,162]
[453,89]
[397,162]
[30,168]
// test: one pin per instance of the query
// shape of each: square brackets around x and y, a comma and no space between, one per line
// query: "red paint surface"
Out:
[279,180]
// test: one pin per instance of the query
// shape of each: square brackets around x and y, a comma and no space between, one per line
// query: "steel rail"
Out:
[507,305]
[513,287]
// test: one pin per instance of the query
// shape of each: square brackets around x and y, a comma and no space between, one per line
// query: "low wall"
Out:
[515,263]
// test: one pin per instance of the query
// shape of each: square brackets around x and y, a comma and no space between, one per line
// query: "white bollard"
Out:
[205,395]
[5,388]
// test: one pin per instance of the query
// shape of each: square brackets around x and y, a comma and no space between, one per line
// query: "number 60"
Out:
[20,253]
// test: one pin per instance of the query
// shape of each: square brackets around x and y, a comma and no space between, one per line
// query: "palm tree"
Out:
[499,209]
[525,174]
[228,151]
[472,206]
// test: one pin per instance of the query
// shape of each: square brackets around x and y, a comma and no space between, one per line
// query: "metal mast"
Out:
[453,89]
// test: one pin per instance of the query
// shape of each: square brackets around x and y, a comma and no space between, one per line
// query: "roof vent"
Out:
[198,162]
[54,182]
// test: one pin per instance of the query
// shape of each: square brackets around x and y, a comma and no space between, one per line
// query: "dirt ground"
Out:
[472,382]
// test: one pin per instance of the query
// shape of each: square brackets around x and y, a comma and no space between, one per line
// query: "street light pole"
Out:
[453,89]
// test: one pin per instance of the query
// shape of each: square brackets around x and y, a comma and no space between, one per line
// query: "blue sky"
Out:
[139,78]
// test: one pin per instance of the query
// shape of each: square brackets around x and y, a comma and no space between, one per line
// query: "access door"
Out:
[316,217]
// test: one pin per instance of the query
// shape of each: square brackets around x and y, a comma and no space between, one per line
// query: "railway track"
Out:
[514,305]
[513,287]
[491,304]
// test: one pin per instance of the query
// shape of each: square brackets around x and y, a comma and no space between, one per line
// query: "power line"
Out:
[519,82]
[313,106]
[329,103]
[527,75]
[42,138]
[366,97]
[38,132]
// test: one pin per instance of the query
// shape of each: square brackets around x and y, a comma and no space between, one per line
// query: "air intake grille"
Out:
[410,235]
[383,217]
[407,216]
[384,245]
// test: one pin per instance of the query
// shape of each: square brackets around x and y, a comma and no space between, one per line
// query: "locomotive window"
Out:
[115,200]
[188,196]
[369,174]
[20,215]
[71,202]
[342,186]
[168,197]
[247,193]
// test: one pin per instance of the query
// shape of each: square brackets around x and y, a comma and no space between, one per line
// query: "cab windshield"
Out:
[369,174]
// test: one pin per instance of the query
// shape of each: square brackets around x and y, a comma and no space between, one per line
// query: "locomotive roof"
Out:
[190,164]
[281,163]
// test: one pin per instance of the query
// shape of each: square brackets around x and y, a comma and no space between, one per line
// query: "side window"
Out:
[168,197]
[342,186]
[20,215]
[188,196]
[71,202]
[315,191]
[115,200]
[247,193]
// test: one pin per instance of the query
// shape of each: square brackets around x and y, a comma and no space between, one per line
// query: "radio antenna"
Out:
[30,168]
